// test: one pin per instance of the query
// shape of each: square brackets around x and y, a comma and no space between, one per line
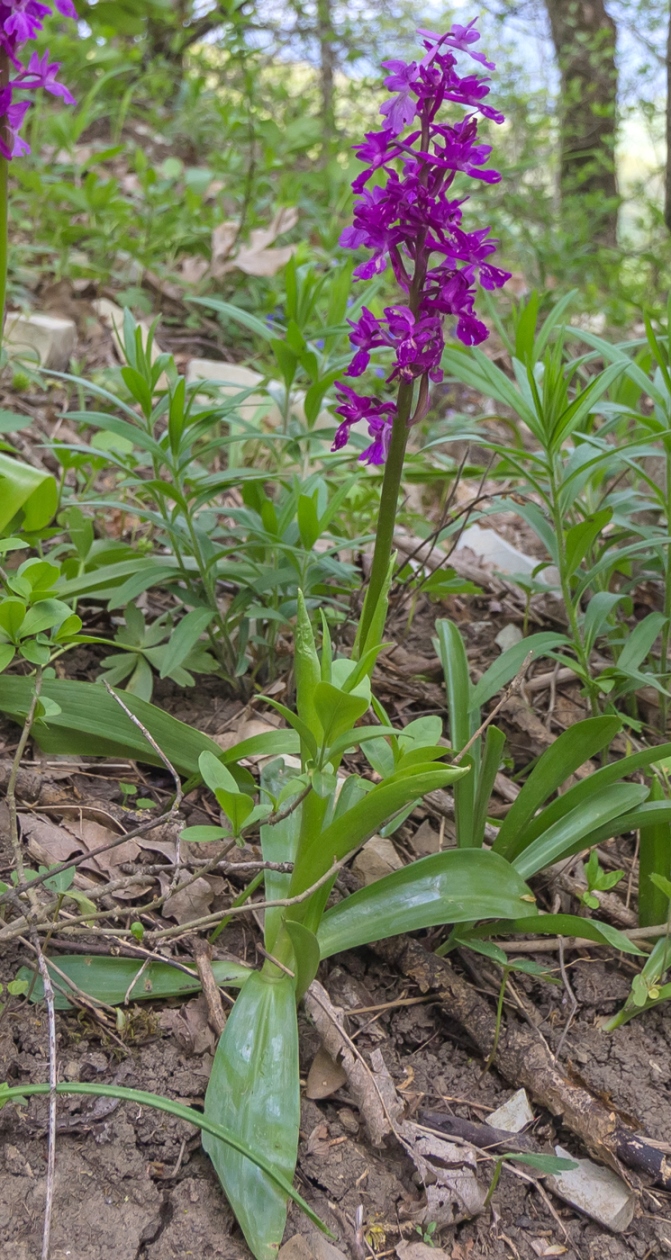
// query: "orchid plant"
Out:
[20,22]
[405,215]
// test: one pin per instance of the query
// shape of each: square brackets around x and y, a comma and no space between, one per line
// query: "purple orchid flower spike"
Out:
[405,214]
[21,21]
[409,218]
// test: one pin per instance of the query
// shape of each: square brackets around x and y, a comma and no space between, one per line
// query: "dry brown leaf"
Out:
[264,262]
[223,239]
[91,835]
[192,270]
[190,1027]
[453,1192]
[190,902]
[325,1076]
[319,1140]
[48,843]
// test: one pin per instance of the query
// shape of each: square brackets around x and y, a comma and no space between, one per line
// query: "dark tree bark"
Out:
[584,37]
[667,173]
[327,66]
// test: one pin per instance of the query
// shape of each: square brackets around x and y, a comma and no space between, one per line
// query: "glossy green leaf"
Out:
[572,749]
[560,839]
[560,925]
[337,710]
[184,639]
[278,844]
[90,722]
[109,979]
[457,886]
[28,490]
[254,1092]
[654,860]
[350,830]
[453,659]
[307,956]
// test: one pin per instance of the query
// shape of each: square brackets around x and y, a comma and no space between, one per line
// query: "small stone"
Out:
[419,1251]
[513,1114]
[596,1191]
[325,1076]
[71,1072]
[508,636]
[377,858]
[500,555]
[349,1121]
[311,1246]
[48,339]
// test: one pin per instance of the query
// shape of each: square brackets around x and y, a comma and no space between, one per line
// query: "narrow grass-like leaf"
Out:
[572,749]
[15,1093]
[90,722]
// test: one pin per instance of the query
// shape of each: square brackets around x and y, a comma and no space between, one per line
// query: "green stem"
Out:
[386,518]
[4,215]
[571,611]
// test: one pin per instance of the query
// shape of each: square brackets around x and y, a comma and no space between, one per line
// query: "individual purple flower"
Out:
[377,414]
[411,219]
[21,21]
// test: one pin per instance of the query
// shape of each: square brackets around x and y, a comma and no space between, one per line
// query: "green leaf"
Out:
[108,979]
[457,886]
[572,749]
[544,1163]
[559,840]
[278,844]
[145,1099]
[306,954]
[12,421]
[453,659]
[254,1092]
[26,489]
[560,925]
[202,835]
[184,639]
[90,722]
[654,867]
[579,538]
[509,663]
[360,822]
[336,710]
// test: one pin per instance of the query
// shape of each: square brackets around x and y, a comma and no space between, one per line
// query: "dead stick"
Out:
[524,1060]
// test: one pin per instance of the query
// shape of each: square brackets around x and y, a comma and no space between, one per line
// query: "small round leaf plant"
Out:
[20,22]
[405,215]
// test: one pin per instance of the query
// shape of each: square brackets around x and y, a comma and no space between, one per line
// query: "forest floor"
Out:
[133,1184]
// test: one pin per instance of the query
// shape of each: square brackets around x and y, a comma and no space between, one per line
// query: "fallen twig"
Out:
[525,1060]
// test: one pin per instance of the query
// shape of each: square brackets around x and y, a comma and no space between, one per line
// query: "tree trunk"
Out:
[327,65]
[667,173]
[584,37]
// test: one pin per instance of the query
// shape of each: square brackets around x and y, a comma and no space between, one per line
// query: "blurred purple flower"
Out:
[20,21]
[411,221]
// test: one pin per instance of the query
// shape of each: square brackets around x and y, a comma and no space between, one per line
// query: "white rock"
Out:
[508,636]
[231,378]
[312,1246]
[48,339]
[377,858]
[596,1191]
[513,1114]
[496,551]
